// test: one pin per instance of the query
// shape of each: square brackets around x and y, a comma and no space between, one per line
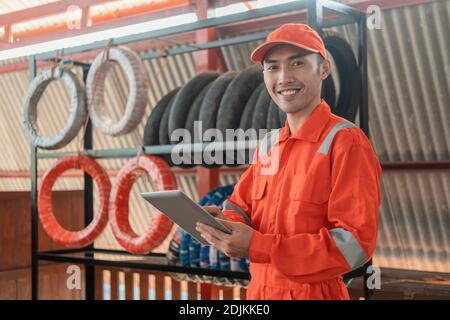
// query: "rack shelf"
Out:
[158,150]
[152,261]
[91,256]
[117,258]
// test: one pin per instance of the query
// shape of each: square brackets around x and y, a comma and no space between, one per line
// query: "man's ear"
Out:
[326,69]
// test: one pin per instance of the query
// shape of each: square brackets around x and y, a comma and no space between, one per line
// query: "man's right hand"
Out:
[215,212]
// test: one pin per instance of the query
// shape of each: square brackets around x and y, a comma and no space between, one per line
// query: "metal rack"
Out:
[90,256]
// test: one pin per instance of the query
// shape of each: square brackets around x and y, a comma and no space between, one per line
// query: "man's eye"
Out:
[298,63]
[271,67]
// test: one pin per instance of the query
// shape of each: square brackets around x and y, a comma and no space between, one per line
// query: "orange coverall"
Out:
[316,217]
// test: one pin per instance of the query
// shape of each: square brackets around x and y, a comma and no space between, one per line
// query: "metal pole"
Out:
[364,112]
[341,8]
[364,100]
[207,60]
[368,293]
[204,46]
[88,207]
[315,14]
[34,213]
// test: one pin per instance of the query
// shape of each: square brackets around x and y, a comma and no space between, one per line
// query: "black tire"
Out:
[164,126]
[349,77]
[234,100]
[194,112]
[246,120]
[164,129]
[184,99]
[151,130]
[259,119]
[273,120]
[236,96]
[247,114]
[329,92]
[211,102]
[193,116]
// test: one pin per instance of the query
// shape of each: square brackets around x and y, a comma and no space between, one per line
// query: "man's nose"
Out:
[285,76]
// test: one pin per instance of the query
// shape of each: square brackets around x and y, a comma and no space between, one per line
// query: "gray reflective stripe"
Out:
[329,138]
[268,142]
[228,205]
[349,247]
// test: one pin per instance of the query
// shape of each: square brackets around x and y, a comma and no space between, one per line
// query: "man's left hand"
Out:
[235,244]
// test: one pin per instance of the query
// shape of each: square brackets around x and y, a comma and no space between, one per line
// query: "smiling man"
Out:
[315,217]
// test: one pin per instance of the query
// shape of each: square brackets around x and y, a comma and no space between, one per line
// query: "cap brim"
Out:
[259,53]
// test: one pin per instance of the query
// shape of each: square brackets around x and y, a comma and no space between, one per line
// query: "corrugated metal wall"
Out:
[409,120]
[409,91]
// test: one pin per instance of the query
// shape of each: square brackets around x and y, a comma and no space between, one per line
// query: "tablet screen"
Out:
[178,207]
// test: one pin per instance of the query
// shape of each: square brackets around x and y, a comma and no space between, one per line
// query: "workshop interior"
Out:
[92,94]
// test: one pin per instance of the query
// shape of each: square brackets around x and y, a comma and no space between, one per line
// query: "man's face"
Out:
[293,77]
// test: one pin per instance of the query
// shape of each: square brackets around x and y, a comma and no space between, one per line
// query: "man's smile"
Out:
[289,92]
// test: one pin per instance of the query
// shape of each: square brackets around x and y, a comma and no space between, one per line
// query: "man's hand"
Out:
[215,212]
[233,245]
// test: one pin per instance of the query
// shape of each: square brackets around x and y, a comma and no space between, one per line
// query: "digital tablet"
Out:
[178,207]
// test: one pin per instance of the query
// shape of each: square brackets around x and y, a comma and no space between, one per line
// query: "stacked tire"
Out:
[240,100]
[216,100]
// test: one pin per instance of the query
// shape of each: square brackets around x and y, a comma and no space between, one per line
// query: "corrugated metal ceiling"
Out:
[16,5]
[97,10]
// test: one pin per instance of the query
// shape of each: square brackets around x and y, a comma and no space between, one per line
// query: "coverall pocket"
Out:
[259,189]
[310,189]
[309,202]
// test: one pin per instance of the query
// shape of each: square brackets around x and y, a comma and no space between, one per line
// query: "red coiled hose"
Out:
[56,232]
[163,179]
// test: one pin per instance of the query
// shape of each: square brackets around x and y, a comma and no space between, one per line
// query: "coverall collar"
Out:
[313,126]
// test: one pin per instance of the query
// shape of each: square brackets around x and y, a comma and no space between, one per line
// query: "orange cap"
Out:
[299,35]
